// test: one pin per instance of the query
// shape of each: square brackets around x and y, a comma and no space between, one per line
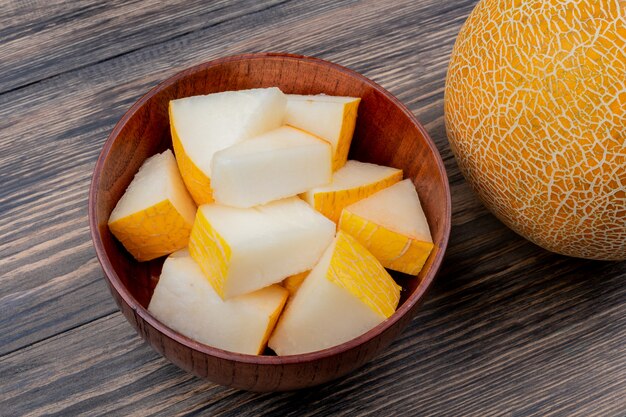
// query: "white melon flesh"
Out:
[157,180]
[154,216]
[397,208]
[209,123]
[332,118]
[241,250]
[203,125]
[278,164]
[321,315]
[345,295]
[392,226]
[355,181]
[185,301]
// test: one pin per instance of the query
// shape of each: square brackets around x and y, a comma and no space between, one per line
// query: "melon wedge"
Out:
[332,118]
[355,181]
[391,224]
[345,295]
[293,282]
[155,215]
[203,125]
[185,301]
[243,250]
[278,164]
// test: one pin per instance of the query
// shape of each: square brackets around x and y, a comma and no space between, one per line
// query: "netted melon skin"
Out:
[535,112]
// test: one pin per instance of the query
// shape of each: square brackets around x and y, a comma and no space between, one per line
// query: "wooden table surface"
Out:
[507,329]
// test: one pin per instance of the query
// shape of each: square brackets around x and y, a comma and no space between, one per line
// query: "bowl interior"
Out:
[386,133]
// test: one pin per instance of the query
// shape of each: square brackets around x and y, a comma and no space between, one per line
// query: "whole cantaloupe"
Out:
[535,109]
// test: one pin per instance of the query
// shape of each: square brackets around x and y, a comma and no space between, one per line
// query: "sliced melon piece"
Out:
[203,125]
[391,224]
[242,250]
[293,282]
[345,295]
[185,301]
[332,118]
[281,163]
[355,181]
[155,215]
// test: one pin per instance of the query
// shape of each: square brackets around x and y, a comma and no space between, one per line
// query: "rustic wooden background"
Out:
[508,329]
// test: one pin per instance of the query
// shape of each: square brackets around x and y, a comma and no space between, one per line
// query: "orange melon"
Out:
[535,110]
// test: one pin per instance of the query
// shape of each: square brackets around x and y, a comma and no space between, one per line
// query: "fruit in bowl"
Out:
[382,127]
[257,232]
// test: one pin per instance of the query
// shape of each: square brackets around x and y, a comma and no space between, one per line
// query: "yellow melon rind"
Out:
[355,269]
[331,203]
[272,320]
[211,252]
[153,232]
[535,113]
[197,183]
[293,282]
[340,156]
[394,250]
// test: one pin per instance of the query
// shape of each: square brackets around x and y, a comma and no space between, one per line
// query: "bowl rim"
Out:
[115,283]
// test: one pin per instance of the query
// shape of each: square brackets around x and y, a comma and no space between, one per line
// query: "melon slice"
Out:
[345,295]
[330,117]
[392,226]
[281,163]
[243,250]
[355,181]
[203,125]
[185,301]
[293,282]
[155,215]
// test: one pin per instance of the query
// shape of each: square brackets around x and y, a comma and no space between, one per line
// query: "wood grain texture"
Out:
[508,329]
[90,32]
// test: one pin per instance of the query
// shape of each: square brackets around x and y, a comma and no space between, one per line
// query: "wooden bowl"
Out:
[386,133]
